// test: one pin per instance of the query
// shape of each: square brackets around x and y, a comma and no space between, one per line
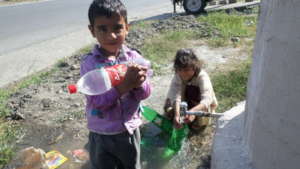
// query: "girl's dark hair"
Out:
[106,8]
[187,58]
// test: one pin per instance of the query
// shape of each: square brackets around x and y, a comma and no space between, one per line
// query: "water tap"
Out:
[184,111]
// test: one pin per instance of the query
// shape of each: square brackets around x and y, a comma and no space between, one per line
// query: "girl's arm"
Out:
[207,92]
[174,94]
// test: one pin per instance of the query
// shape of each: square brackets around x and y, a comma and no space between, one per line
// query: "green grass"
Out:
[230,86]
[85,49]
[229,25]
[8,134]
[161,49]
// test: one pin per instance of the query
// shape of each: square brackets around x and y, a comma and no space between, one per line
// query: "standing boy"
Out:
[114,117]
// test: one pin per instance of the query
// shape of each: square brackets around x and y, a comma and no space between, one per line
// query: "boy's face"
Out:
[110,32]
[186,73]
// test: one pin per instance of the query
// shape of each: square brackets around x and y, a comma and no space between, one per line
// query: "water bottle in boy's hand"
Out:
[100,80]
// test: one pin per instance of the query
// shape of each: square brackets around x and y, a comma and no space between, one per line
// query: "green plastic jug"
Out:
[175,136]
[160,121]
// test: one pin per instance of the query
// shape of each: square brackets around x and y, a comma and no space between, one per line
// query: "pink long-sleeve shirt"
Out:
[110,113]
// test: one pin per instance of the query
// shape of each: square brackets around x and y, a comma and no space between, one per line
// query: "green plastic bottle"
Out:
[175,136]
[175,141]
[160,121]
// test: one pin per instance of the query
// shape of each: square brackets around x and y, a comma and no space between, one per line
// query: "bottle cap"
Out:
[72,88]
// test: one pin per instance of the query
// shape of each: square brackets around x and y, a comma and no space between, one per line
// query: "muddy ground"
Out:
[55,120]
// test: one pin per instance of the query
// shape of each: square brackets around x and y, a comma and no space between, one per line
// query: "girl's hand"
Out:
[176,122]
[168,109]
[189,118]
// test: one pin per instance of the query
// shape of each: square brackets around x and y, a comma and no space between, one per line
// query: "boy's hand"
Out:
[134,77]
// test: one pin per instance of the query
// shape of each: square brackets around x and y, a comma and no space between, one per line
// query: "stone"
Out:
[29,158]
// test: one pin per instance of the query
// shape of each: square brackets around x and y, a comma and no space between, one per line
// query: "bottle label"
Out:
[116,73]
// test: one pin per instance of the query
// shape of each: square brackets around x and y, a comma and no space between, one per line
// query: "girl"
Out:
[192,85]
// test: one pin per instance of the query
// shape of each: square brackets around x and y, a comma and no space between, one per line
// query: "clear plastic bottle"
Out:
[100,80]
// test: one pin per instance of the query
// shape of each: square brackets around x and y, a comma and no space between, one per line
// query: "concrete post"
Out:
[267,134]
[272,128]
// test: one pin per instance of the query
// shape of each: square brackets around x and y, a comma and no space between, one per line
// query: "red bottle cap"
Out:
[72,88]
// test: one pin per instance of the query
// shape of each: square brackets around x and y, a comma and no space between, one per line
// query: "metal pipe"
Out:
[203,114]
[183,112]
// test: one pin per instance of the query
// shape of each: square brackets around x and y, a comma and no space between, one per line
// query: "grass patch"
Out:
[85,50]
[161,49]
[230,86]
[229,25]
[8,134]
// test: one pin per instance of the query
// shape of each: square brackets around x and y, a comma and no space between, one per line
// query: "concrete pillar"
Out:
[268,134]
[272,123]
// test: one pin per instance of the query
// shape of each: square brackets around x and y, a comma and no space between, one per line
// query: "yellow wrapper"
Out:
[54,159]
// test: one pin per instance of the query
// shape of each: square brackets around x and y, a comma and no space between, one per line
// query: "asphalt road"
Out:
[34,36]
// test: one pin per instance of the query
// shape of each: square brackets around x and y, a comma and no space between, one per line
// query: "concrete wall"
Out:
[272,123]
[270,137]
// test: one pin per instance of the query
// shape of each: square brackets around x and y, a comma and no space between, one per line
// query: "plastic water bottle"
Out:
[100,80]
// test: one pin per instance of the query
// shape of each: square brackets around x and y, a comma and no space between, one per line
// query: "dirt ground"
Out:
[55,120]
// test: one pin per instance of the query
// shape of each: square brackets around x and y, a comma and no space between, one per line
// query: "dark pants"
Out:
[121,151]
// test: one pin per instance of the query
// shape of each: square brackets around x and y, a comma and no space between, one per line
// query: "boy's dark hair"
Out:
[106,8]
[187,58]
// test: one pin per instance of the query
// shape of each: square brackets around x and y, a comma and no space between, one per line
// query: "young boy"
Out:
[192,85]
[113,117]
